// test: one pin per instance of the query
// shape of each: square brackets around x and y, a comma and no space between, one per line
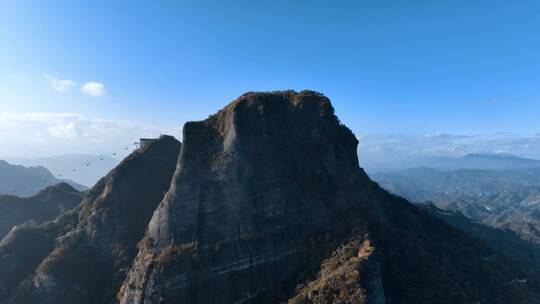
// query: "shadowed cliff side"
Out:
[85,254]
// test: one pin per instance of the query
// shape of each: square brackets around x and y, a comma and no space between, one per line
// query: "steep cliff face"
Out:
[84,255]
[44,206]
[268,204]
[253,182]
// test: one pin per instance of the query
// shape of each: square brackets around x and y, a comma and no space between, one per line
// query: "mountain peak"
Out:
[291,95]
[277,101]
[260,175]
[280,119]
[60,187]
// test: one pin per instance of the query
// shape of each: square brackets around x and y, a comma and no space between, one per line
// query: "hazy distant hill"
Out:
[83,169]
[498,198]
[469,161]
[26,181]
[496,161]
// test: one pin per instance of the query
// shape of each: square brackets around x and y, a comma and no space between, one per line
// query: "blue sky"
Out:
[416,68]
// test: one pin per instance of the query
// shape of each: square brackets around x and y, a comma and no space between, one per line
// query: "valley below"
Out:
[500,206]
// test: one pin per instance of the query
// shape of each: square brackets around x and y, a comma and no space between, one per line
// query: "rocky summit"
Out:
[269,205]
[264,202]
[254,184]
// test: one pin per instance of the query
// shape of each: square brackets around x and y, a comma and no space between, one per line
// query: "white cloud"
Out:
[59,85]
[443,136]
[42,134]
[67,131]
[95,89]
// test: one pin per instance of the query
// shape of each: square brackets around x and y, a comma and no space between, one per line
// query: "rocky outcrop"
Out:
[340,277]
[268,205]
[83,256]
[42,207]
[253,182]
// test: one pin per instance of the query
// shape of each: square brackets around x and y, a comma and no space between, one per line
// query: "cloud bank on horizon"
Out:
[33,135]
[39,134]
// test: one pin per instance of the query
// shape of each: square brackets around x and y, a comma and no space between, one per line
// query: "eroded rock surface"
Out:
[253,182]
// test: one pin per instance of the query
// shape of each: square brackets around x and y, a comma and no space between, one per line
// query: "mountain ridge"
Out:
[24,181]
[86,251]
[263,202]
[44,206]
[496,199]
[477,161]
[63,165]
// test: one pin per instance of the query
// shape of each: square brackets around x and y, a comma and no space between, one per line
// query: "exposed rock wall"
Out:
[253,182]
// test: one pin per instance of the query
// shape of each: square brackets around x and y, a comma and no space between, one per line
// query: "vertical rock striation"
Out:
[253,183]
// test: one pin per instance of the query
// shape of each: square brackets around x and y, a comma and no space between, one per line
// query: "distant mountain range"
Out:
[469,161]
[507,199]
[83,169]
[26,181]
[494,161]
[505,241]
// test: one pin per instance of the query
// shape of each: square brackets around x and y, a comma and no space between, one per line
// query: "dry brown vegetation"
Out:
[170,252]
[339,279]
